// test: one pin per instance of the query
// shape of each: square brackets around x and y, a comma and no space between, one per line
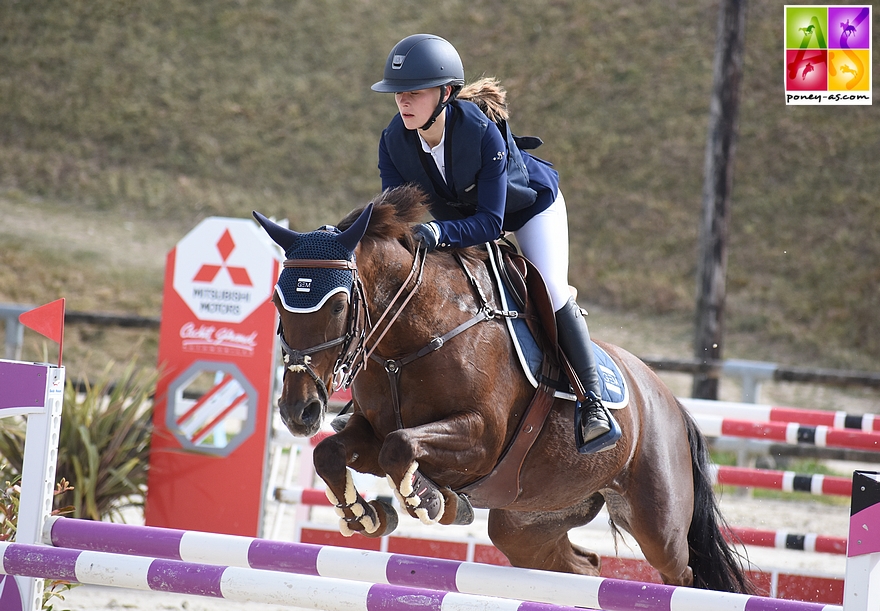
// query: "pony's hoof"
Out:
[372,519]
[382,520]
[463,513]
[387,517]
[339,422]
[359,517]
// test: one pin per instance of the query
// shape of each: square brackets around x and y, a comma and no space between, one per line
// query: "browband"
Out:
[320,263]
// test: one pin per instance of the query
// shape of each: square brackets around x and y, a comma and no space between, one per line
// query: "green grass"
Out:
[163,113]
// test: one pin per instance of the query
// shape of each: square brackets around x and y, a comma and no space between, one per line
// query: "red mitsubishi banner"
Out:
[213,398]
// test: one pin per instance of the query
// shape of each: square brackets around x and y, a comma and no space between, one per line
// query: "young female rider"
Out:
[459,158]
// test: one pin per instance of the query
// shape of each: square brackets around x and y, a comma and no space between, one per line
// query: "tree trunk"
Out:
[717,184]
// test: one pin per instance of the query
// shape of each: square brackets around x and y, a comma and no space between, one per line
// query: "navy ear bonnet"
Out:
[304,289]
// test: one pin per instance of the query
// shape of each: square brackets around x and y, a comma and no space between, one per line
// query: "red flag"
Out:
[47,320]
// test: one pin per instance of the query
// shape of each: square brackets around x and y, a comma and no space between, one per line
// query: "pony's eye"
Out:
[337,308]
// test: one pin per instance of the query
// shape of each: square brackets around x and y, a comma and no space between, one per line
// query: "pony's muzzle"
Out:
[302,417]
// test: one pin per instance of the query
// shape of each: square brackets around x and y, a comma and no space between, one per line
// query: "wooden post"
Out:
[717,184]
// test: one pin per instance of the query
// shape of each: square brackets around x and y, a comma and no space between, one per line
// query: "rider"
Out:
[458,157]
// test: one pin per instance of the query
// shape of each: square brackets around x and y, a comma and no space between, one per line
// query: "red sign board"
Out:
[213,399]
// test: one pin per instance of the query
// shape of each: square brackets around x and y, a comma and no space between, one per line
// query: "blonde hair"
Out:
[489,95]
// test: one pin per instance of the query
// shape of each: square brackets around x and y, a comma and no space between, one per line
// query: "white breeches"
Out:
[544,242]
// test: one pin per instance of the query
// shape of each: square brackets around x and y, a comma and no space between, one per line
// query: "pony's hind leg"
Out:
[539,539]
[660,529]
[655,502]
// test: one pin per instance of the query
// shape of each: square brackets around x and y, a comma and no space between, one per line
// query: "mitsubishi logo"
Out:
[208,272]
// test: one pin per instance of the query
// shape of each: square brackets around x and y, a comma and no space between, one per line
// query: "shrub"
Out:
[103,445]
[10,499]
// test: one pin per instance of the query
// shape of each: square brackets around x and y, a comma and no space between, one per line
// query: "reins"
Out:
[393,366]
[354,355]
[417,266]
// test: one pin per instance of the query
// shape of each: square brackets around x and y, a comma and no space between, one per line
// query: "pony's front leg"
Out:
[448,443]
[355,445]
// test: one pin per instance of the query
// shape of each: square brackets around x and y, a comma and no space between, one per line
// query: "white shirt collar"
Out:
[437,153]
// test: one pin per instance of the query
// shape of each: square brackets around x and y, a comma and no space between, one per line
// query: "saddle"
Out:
[528,289]
[501,486]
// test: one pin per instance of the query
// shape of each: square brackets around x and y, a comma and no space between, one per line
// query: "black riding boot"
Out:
[592,420]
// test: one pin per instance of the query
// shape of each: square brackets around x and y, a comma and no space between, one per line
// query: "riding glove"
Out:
[428,234]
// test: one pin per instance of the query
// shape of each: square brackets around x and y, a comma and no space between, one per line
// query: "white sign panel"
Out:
[223,269]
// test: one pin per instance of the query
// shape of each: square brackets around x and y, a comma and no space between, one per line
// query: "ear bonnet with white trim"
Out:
[302,289]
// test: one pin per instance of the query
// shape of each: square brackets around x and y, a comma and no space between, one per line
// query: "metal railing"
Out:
[750,373]
[10,312]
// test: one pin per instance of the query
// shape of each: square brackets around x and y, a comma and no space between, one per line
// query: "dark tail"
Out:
[716,565]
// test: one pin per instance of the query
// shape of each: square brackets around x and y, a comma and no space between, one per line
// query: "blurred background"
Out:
[122,124]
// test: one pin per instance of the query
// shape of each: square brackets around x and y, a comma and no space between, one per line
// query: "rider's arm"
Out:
[485,224]
[391,178]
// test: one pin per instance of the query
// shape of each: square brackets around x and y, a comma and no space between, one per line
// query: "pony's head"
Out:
[320,301]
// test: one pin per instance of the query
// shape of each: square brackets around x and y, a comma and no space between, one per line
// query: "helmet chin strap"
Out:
[440,106]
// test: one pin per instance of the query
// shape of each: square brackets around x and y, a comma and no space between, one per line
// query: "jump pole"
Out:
[332,594]
[774,413]
[788,432]
[239,584]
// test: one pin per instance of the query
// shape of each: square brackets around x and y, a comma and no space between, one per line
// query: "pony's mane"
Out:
[489,95]
[394,212]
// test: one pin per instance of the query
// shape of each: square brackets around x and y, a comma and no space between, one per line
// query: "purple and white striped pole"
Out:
[397,570]
[240,584]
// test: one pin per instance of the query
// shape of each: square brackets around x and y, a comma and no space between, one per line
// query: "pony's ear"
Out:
[282,236]
[352,236]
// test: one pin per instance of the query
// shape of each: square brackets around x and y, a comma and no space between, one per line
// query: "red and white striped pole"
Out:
[774,413]
[791,432]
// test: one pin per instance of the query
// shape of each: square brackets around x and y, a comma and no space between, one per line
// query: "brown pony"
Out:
[362,302]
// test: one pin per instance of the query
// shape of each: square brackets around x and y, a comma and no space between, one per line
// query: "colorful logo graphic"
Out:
[828,55]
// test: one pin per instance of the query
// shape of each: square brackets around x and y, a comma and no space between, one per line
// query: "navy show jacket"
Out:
[470,205]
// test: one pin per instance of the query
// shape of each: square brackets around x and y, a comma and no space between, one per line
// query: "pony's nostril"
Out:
[311,413]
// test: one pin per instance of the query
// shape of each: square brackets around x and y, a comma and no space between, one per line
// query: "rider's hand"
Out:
[427,234]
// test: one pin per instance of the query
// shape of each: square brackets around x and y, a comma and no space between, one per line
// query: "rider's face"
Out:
[416,107]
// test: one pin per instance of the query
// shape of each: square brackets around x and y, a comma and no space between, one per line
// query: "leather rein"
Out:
[355,353]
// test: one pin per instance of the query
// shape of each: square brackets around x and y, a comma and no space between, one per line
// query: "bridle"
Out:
[355,352]
[352,340]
